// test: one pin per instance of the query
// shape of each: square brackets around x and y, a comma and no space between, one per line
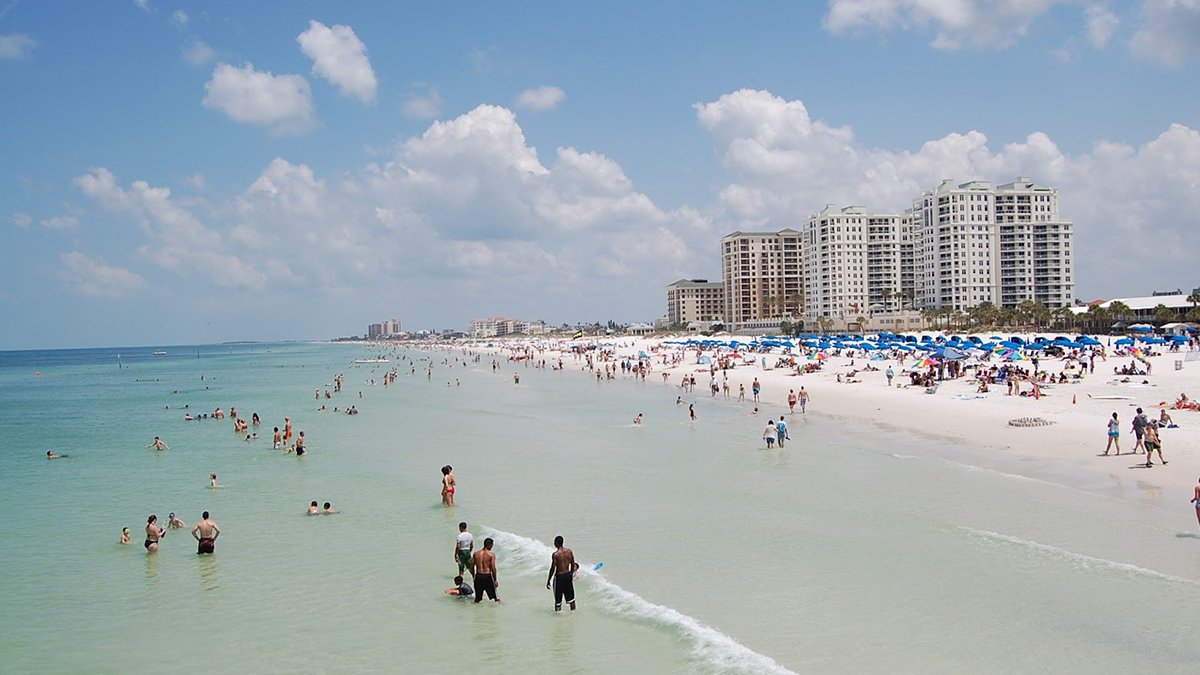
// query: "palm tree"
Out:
[1194,298]
[1163,313]
[1097,317]
[1066,315]
[1119,311]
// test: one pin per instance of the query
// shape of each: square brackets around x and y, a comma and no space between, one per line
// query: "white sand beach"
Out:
[1078,411]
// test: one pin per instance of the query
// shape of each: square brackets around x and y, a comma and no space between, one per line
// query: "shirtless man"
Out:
[206,532]
[562,572]
[483,568]
[158,444]
[153,534]
[313,509]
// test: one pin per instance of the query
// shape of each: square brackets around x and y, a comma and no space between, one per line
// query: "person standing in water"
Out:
[562,572]
[153,534]
[464,546]
[448,485]
[205,533]
[483,569]
[158,444]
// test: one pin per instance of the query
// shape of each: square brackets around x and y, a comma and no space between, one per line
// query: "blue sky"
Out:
[204,171]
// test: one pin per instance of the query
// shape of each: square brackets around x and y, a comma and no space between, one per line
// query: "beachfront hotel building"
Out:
[695,300]
[383,329]
[499,326]
[762,275]
[855,264]
[1005,244]
[959,245]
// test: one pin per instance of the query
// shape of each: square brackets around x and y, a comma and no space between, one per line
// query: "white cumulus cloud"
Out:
[282,103]
[339,57]
[1169,33]
[541,98]
[994,24]
[22,220]
[16,46]
[179,17]
[176,239]
[1101,24]
[94,277]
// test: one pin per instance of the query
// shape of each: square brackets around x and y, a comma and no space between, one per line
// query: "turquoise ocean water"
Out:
[853,549]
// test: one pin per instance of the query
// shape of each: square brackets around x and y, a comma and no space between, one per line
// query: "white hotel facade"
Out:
[959,245]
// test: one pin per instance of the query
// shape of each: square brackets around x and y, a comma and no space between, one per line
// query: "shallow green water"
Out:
[851,550]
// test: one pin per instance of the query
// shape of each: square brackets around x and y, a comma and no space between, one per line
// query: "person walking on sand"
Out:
[890,374]
[1152,443]
[448,485]
[1114,434]
[464,546]
[562,572]
[483,569]
[792,401]
[1139,431]
[756,389]
[1196,500]
[205,533]
[741,393]
[803,400]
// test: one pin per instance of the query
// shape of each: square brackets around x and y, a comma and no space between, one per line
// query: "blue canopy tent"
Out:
[1088,340]
[1123,342]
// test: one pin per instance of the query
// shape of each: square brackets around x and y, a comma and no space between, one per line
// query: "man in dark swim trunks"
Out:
[206,533]
[483,568]
[562,572]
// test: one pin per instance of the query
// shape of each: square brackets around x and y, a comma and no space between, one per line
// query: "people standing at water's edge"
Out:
[464,546]
[483,569]
[562,572]
[781,430]
[153,534]
[448,485]
[205,533]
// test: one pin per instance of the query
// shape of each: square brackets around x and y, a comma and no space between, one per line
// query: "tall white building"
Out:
[691,300]
[978,243]
[762,275]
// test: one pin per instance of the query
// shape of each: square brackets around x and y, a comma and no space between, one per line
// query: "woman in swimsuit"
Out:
[1114,434]
[153,534]
[448,484]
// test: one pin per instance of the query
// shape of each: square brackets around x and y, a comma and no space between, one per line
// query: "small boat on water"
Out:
[160,353]
[370,360]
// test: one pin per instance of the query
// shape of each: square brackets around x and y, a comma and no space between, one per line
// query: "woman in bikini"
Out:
[448,484]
